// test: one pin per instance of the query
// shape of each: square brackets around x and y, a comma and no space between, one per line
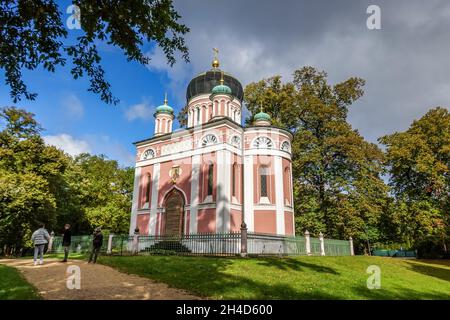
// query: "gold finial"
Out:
[221,78]
[260,106]
[165,98]
[215,63]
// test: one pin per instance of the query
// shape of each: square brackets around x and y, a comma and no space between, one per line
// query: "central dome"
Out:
[205,82]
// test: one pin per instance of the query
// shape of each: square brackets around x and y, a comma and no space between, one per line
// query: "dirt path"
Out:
[98,282]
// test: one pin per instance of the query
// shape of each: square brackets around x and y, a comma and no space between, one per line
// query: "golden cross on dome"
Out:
[221,78]
[165,98]
[215,63]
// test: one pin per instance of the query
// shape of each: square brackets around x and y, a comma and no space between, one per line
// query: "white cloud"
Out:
[142,111]
[68,143]
[73,105]
[405,64]
[113,149]
[93,144]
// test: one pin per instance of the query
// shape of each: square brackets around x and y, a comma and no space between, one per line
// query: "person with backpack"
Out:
[40,238]
[97,243]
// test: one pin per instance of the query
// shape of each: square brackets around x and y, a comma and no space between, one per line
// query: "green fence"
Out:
[335,247]
[208,244]
[79,244]
[395,253]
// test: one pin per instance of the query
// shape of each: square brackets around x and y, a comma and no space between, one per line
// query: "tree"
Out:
[338,188]
[29,172]
[106,192]
[42,184]
[32,34]
[419,165]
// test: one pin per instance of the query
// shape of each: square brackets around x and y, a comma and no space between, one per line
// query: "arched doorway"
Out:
[174,205]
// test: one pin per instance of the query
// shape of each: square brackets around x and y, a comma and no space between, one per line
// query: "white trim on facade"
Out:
[279,194]
[248,192]
[213,148]
[193,209]
[135,203]
[154,200]
[223,191]
[292,199]
[270,207]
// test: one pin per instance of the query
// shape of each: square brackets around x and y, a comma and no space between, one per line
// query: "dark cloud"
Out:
[406,63]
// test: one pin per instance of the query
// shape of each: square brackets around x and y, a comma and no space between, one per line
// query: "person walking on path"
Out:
[67,240]
[97,243]
[40,238]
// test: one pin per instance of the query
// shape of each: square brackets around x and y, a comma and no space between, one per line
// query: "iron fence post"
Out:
[243,239]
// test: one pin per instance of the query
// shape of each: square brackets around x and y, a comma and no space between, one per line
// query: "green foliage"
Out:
[419,165]
[41,184]
[338,188]
[32,34]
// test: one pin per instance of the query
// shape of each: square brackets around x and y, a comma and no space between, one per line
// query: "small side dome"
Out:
[261,116]
[164,108]
[221,89]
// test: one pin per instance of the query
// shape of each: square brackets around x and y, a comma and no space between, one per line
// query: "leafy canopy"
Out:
[32,35]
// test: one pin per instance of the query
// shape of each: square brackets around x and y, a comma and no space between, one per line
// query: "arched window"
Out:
[285,146]
[234,180]
[209,140]
[198,115]
[148,188]
[210,179]
[288,188]
[264,181]
[262,143]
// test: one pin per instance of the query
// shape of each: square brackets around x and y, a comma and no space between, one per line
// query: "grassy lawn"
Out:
[293,277]
[14,287]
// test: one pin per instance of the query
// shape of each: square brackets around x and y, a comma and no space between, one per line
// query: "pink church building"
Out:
[210,176]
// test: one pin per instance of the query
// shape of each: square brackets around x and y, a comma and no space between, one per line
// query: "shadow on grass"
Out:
[211,277]
[433,271]
[294,264]
[234,278]
[400,293]
[440,262]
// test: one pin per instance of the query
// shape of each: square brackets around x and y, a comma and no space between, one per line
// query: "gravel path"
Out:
[98,282]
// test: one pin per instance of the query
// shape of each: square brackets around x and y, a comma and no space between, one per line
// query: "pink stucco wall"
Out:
[265,221]
[142,223]
[206,221]
[235,220]
[288,223]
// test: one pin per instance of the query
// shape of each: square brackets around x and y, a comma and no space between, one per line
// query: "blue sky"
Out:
[71,114]
[405,65]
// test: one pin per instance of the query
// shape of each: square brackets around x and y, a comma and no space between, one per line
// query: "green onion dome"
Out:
[221,89]
[164,108]
[261,116]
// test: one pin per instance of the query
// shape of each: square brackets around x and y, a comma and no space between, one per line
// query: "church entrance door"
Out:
[174,205]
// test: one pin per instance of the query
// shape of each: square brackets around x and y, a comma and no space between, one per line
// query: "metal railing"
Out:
[217,244]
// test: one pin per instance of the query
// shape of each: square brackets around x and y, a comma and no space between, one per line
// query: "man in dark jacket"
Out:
[67,240]
[97,243]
